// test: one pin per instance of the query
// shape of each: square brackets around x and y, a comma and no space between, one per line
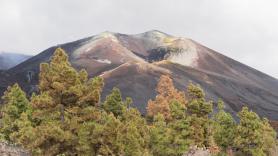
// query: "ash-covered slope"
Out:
[134,64]
[8,60]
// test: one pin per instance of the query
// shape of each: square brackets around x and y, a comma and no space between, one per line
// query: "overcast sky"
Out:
[246,30]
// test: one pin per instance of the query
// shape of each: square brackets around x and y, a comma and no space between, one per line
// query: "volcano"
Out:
[134,63]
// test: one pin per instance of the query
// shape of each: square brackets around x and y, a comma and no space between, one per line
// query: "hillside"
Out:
[134,64]
[8,60]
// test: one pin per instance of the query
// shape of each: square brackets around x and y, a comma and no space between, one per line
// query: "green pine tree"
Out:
[114,102]
[268,137]
[67,99]
[160,137]
[197,103]
[180,129]
[14,104]
[134,133]
[248,138]
[199,109]
[224,128]
[99,136]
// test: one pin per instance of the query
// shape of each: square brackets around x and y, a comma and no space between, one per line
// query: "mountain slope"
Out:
[8,60]
[134,64]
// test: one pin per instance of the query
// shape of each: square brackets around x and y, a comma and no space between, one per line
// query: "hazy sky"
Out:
[246,30]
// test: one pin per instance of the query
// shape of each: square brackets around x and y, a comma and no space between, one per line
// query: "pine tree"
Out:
[114,102]
[133,133]
[67,99]
[14,104]
[111,136]
[25,134]
[248,134]
[224,128]
[198,128]
[167,93]
[99,136]
[268,137]
[171,137]
[160,137]
[197,103]
[199,109]
[180,129]
[65,85]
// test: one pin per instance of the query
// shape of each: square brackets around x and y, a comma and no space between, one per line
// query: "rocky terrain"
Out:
[11,150]
[134,64]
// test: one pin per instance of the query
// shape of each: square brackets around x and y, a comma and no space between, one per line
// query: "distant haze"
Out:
[246,30]
[9,60]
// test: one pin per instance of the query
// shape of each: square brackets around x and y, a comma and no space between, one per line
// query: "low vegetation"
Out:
[67,117]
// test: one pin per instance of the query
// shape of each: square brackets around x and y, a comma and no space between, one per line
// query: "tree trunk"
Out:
[62,115]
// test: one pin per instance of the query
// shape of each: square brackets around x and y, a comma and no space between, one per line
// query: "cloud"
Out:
[245,30]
